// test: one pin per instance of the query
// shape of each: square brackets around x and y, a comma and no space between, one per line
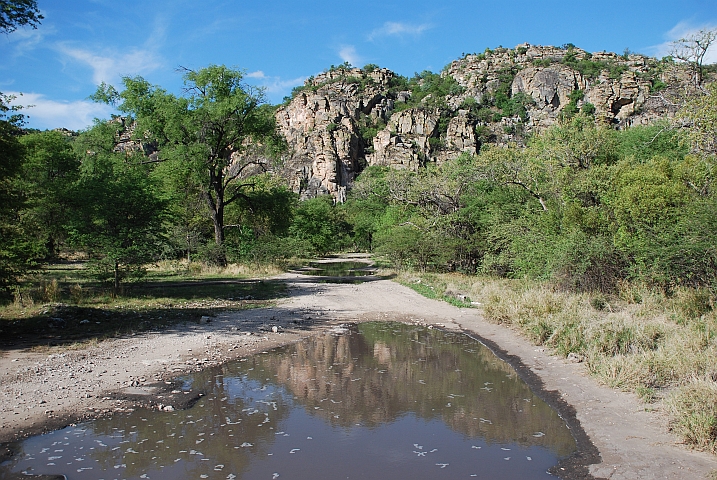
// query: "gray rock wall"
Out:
[322,124]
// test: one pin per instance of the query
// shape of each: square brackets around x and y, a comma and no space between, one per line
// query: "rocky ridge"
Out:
[347,118]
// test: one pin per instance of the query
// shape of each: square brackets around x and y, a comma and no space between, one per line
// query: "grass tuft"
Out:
[694,413]
[642,340]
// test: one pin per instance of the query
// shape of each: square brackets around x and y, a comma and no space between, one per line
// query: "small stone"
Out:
[574,357]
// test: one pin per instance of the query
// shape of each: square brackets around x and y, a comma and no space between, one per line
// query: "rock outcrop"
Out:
[348,118]
[617,86]
[404,143]
[321,127]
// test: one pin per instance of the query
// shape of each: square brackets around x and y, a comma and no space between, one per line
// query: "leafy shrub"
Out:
[322,224]
[430,90]
[542,62]
[588,108]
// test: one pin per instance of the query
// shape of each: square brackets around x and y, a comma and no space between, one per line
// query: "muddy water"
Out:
[372,401]
[338,269]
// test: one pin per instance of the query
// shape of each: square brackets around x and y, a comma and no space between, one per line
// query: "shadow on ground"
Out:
[152,306]
[149,306]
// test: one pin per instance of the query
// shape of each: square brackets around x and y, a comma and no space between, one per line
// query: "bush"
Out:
[586,263]
[273,249]
[322,224]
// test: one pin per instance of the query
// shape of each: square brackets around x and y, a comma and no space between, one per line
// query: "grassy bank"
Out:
[62,305]
[661,346]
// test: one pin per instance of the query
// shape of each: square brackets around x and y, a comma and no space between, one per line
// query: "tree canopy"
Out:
[18,13]
[219,132]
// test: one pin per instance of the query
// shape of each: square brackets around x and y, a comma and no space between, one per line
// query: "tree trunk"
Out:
[189,251]
[117,280]
[216,211]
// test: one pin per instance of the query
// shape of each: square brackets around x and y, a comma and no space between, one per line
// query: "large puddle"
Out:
[369,401]
[343,268]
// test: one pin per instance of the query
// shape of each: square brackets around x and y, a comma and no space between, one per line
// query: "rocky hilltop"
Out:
[347,118]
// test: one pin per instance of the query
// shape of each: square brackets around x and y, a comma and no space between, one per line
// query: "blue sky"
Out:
[280,43]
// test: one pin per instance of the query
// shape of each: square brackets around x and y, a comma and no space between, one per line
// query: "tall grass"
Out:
[173,268]
[661,346]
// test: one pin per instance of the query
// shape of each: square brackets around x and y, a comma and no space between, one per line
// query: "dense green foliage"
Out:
[47,176]
[210,133]
[582,205]
[17,252]
[116,215]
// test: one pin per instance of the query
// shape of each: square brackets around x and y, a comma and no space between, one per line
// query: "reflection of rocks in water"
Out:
[382,353]
[381,371]
[296,409]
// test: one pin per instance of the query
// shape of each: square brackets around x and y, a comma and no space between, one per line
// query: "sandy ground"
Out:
[618,436]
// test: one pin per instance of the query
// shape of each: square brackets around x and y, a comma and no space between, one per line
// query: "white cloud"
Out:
[111,65]
[684,30]
[44,113]
[398,29]
[275,87]
[25,40]
[348,54]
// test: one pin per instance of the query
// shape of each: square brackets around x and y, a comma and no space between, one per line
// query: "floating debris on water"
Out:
[357,389]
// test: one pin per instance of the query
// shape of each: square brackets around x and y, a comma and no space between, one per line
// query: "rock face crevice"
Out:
[404,143]
[321,128]
[348,118]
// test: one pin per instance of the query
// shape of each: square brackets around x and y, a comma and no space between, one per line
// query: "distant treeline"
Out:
[583,205]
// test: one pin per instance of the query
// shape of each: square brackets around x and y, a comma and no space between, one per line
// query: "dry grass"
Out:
[204,270]
[693,409]
[62,306]
[639,340]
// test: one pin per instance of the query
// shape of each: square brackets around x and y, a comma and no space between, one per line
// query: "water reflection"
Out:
[338,269]
[377,400]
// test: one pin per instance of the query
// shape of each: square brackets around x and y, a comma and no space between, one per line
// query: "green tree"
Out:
[48,173]
[666,227]
[220,131]
[18,13]
[17,253]
[367,202]
[263,216]
[322,223]
[117,212]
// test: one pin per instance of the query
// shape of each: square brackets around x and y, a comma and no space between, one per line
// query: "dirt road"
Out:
[44,390]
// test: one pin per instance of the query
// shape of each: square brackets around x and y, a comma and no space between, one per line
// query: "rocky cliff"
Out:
[347,118]
[322,128]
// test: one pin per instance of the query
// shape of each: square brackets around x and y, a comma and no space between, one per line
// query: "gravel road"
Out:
[47,389]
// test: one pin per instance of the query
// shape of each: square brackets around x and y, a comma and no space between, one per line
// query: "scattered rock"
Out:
[56,322]
[575,358]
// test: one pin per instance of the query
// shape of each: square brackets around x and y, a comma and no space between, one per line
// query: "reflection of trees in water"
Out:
[232,415]
[372,376]
[382,371]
